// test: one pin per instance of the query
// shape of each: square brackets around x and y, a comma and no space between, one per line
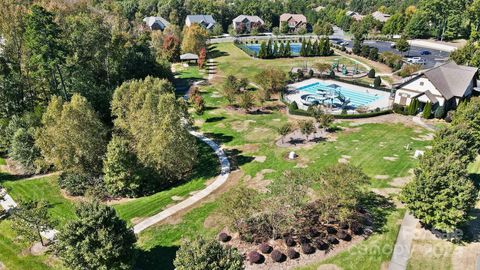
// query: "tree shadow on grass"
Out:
[4,177]
[156,258]
[215,119]
[379,208]
[219,137]
[214,53]
[237,159]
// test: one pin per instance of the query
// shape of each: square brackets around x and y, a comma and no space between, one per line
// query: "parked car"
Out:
[416,60]
[425,52]
[345,43]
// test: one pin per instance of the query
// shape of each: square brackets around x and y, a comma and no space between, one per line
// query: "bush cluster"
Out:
[255,257]
[265,248]
[224,237]
[277,256]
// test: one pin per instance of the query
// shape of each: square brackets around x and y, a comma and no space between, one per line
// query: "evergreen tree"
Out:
[269,49]
[315,48]
[327,49]
[308,49]
[442,194]
[303,49]
[262,53]
[288,50]
[96,239]
[321,46]
[200,254]
[281,50]
[275,50]
[427,110]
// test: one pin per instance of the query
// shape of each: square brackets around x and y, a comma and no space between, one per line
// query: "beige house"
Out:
[445,85]
[379,16]
[354,15]
[293,21]
[246,23]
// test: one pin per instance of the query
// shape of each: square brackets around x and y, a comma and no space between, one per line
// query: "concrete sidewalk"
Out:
[219,181]
[403,246]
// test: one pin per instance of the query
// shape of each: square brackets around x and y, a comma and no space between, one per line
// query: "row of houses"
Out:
[242,23]
[377,15]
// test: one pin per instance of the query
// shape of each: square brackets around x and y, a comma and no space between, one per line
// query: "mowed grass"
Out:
[208,166]
[431,255]
[14,252]
[2,161]
[370,254]
[233,61]
[160,243]
[61,210]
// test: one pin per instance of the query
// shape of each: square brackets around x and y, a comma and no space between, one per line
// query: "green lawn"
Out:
[233,61]
[13,251]
[2,161]
[47,189]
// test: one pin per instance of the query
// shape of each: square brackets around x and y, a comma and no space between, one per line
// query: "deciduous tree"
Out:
[72,137]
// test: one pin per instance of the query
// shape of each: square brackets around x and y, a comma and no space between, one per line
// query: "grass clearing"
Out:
[47,189]
[233,61]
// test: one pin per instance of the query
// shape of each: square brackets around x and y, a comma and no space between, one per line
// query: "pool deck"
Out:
[383,101]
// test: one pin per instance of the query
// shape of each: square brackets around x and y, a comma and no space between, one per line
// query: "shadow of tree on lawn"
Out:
[156,258]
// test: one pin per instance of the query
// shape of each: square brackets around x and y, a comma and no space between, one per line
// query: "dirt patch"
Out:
[84,199]
[248,148]
[390,158]
[344,159]
[38,249]
[260,159]
[382,177]
[240,126]
[425,137]
[465,257]
[2,266]
[220,125]
[177,198]
[258,182]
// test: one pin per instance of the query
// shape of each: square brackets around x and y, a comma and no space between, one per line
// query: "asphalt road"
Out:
[435,57]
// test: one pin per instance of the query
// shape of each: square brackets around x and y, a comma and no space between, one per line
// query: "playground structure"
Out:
[341,70]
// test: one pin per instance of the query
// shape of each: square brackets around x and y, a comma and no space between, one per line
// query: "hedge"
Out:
[344,116]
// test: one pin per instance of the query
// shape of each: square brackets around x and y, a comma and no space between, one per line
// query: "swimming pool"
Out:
[295,47]
[357,98]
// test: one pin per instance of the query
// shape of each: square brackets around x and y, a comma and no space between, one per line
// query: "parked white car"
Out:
[416,60]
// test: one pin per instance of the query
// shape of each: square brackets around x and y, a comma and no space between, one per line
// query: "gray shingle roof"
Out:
[205,20]
[156,23]
[255,19]
[450,79]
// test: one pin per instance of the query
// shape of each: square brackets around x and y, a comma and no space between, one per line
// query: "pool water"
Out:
[357,98]
[294,47]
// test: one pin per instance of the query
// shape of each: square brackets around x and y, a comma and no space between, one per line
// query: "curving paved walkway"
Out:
[219,181]
[402,249]
[8,203]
